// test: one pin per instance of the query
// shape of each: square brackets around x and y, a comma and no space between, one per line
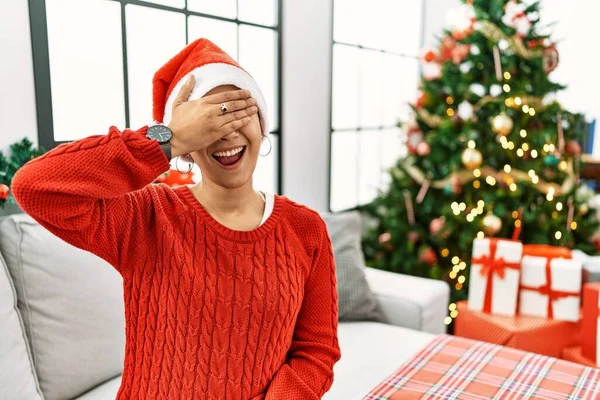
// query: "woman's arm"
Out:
[308,372]
[87,192]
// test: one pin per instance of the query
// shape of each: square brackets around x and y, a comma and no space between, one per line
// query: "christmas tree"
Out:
[490,151]
[20,153]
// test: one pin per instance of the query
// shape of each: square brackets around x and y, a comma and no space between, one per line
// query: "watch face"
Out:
[161,133]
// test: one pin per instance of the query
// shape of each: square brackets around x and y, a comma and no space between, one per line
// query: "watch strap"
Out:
[166,148]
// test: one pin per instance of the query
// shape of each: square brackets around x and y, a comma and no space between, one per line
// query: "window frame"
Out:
[41,67]
[358,130]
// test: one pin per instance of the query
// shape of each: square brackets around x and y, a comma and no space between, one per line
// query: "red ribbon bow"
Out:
[491,265]
[547,290]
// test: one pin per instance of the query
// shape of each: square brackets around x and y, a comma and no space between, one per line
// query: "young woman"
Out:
[229,293]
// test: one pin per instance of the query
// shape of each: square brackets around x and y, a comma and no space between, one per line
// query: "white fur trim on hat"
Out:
[210,76]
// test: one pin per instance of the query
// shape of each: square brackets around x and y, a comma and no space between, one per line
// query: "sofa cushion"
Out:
[17,374]
[72,307]
[106,391]
[356,301]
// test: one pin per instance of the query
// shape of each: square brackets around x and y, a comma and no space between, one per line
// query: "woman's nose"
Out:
[231,136]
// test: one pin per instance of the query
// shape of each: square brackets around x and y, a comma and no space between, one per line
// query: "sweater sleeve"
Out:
[88,192]
[308,371]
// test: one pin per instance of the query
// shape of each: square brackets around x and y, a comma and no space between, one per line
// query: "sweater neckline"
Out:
[232,234]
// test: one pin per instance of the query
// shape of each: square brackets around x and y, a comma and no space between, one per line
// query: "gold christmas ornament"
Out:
[502,124]
[583,209]
[471,158]
[491,224]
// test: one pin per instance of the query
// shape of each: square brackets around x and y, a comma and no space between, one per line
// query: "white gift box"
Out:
[591,266]
[502,265]
[560,300]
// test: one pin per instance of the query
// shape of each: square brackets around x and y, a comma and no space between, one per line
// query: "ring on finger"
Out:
[223,108]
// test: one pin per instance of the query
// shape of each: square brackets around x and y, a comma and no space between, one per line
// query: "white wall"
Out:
[17,101]
[576,31]
[307,38]
[435,19]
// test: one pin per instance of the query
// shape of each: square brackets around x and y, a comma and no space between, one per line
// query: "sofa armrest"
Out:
[409,301]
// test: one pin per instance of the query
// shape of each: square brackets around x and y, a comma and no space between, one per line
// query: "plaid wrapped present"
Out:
[457,368]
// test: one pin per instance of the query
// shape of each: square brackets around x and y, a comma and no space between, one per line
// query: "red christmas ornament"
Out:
[460,53]
[428,256]
[414,138]
[429,56]
[4,191]
[597,244]
[436,225]
[573,148]
[423,149]
[532,44]
[413,236]
[422,100]
[385,237]
[550,59]
[446,48]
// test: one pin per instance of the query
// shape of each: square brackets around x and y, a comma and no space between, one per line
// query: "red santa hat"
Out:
[211,67]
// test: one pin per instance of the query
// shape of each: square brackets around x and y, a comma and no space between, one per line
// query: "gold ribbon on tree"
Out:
[432,120]
[516,175]
[495,34]
[532,101]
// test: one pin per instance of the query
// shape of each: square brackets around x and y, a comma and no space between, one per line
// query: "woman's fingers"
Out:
[237,115]
[234,105]
[184,93]
[234,126]
[229,96]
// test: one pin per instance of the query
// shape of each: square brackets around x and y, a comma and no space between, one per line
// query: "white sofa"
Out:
[62,330]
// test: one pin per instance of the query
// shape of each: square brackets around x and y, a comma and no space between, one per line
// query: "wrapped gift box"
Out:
[550,283]
[538,335]
[494,278]
[591,322]
[591,266]
[574,354]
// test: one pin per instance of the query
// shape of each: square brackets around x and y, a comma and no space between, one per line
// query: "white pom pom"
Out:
[466,67]
[478,89]
[495,90]
[465,110]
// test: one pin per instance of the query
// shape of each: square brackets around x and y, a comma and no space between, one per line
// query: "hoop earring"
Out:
[180,171]
[270,146]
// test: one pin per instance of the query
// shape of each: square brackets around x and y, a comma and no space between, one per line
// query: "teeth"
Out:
[228,153]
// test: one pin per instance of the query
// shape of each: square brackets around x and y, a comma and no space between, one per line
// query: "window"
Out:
[94,61]
[375,73]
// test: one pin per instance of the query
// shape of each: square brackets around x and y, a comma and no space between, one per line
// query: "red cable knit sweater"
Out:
[211,313]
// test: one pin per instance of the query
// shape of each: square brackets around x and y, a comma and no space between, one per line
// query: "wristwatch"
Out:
[162,134]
